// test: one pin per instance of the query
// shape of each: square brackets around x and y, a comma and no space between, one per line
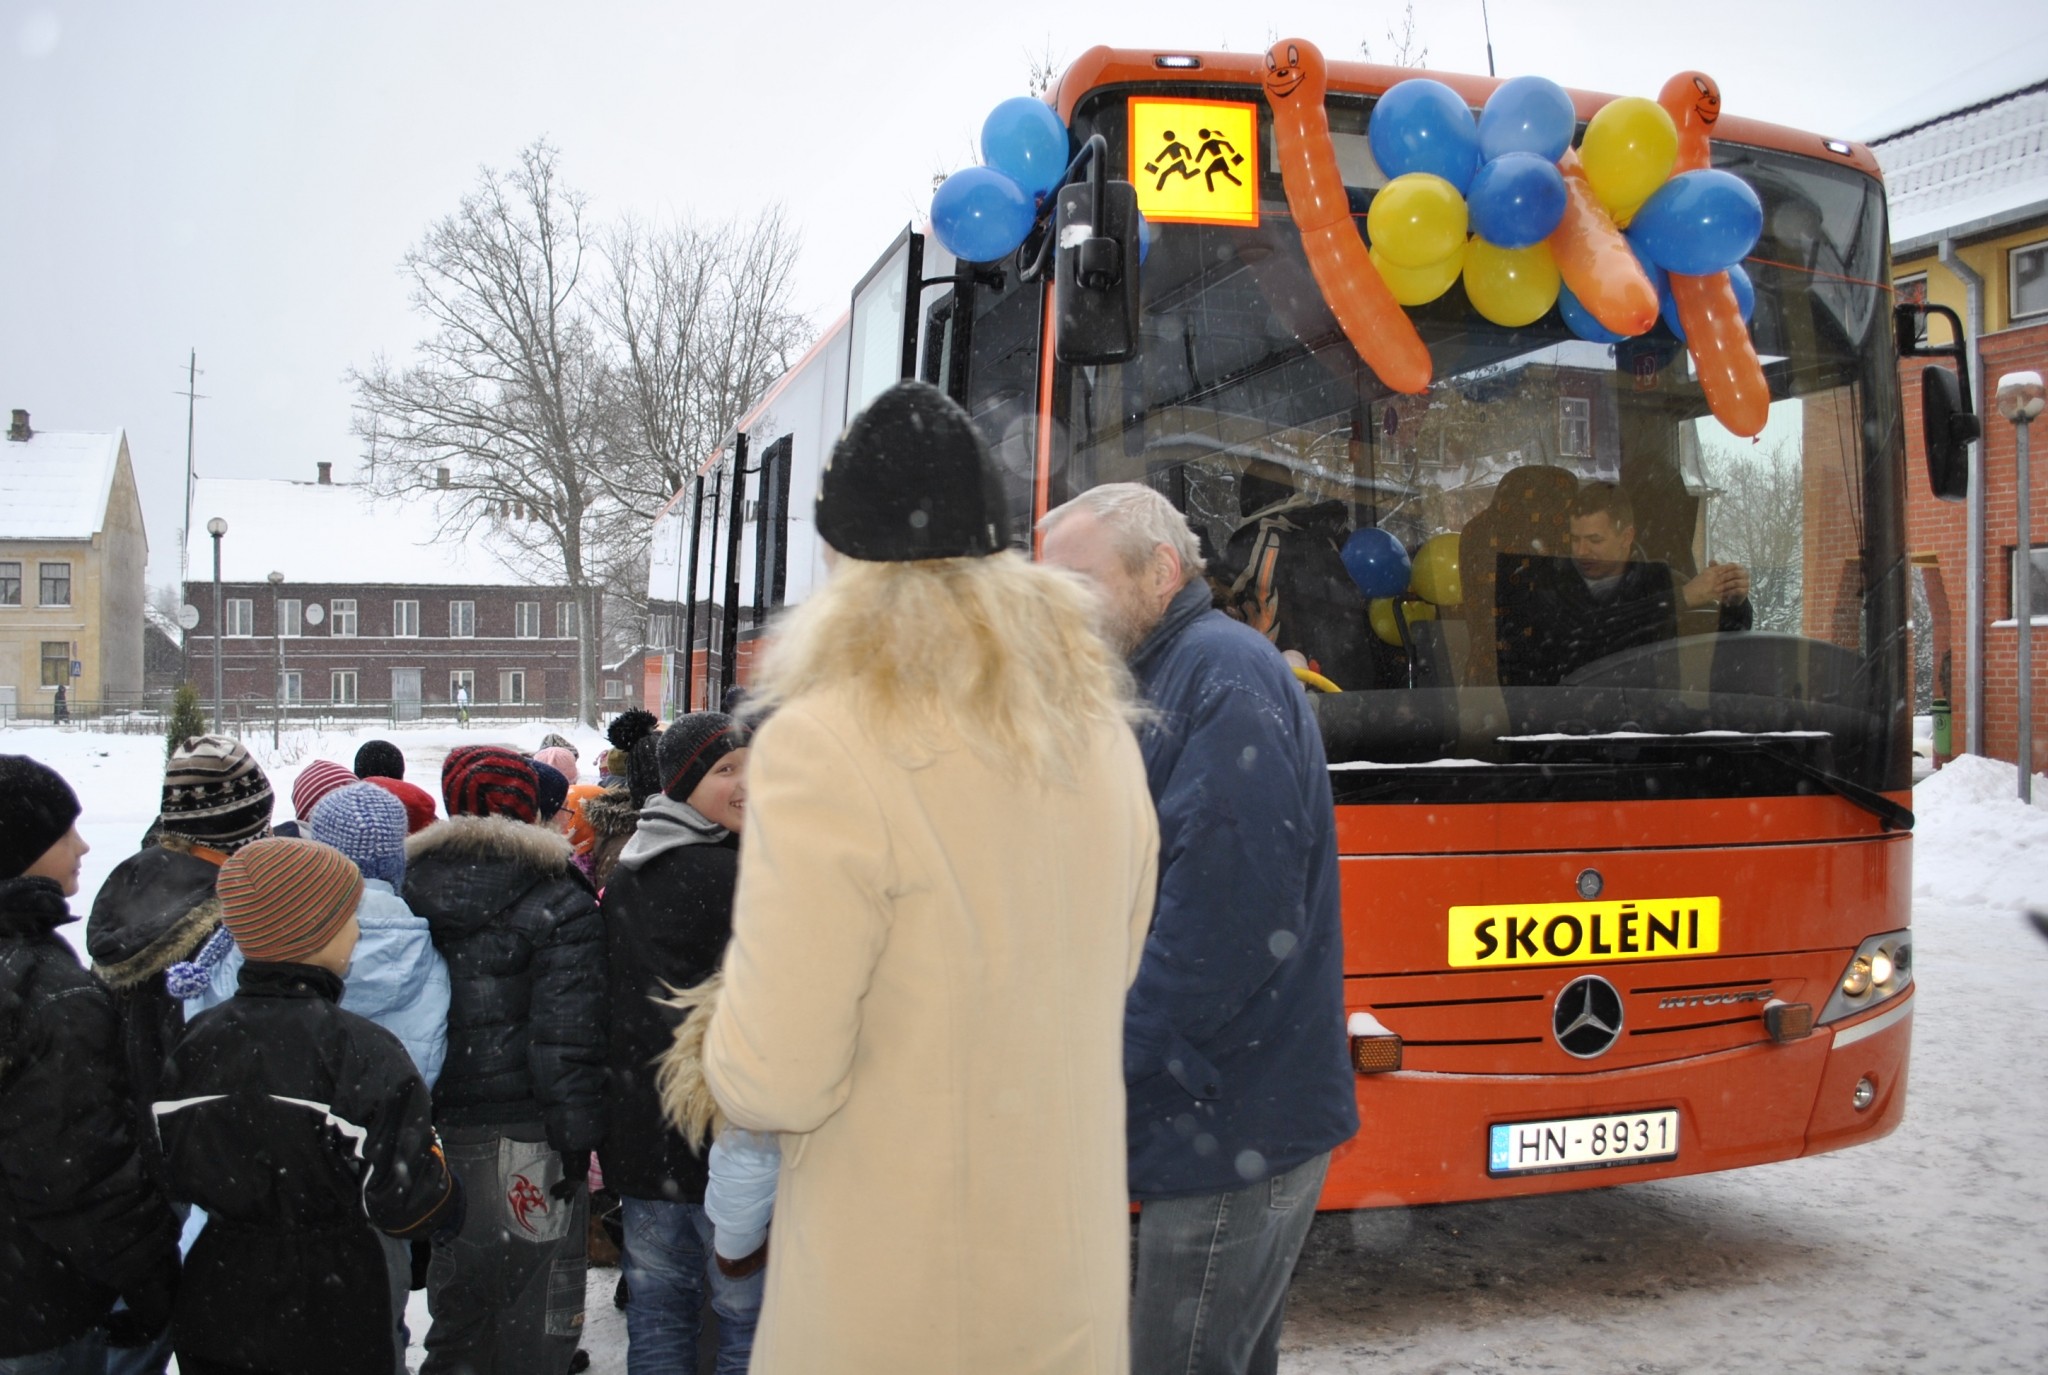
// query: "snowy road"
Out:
[1927,1251]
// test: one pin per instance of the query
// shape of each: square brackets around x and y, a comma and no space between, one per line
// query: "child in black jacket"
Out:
[297,1127]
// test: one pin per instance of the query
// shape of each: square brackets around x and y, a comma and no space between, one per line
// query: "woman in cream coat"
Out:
[948,880]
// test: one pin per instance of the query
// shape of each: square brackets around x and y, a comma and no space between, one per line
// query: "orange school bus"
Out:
[1644,915]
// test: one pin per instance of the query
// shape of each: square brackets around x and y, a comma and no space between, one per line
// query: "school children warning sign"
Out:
[1195,161]
[1507,935]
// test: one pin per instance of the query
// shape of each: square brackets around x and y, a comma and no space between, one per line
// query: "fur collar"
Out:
[492,838]
[184,936]
[611,813]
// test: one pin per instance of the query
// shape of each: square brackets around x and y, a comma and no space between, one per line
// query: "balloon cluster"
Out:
[1387,574]
[983,213]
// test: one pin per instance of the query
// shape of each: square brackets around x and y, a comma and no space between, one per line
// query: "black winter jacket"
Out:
[156,908]
[80,1221]
[667,921]
[518,925]
[297,1127]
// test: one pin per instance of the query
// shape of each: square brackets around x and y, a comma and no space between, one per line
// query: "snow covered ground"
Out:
[1927,1251]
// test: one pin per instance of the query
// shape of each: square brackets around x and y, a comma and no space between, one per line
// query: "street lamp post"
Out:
[277,634]
[2021,397]
[216,527]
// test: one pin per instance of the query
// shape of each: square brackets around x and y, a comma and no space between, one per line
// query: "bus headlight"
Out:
[1881,969]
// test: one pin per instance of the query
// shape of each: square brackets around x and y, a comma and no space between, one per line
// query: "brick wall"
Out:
[1831,491]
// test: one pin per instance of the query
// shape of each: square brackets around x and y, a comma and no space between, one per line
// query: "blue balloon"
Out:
[981,214]
[1516,200]
[1667,304]
[1376,562]
[1699,222]
[1667,307]
[1644,260]
[1024,138]
[1421,125]
[1581,320]
[1528,114]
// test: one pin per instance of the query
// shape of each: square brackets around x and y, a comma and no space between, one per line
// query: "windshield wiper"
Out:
[1894,817]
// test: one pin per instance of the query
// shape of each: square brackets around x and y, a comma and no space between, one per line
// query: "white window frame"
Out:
[565,620]
[2039,606]
[405,619]
[614,690]
[512,685]
[294,687]
[462,623]
[1574,415]
[526,620]
[291,618]
[238,618]
[343,688]
[341,618]
[15,578]
[43,662]
[1904,293]
[43,568]
[462,678]
[2039,283]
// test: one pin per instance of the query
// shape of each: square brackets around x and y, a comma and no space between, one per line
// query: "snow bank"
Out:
[1975,844]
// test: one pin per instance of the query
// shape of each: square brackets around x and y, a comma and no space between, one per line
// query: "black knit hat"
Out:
[691,745]
[380,759]
[643,768]
[36,811]
[551,788]
[214,793]
[630,725]
[911,479]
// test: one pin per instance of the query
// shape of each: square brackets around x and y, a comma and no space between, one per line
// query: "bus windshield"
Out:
[1505,671]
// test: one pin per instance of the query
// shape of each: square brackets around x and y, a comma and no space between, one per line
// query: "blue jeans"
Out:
[1212,1275]
[669,1266]
[85,1355]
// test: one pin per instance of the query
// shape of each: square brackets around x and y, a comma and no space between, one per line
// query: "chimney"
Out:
[19,430]
[440,477]
[326,474]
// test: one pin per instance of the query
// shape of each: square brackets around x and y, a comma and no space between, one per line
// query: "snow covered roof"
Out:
[55,486]
[1974,169]
[339,533]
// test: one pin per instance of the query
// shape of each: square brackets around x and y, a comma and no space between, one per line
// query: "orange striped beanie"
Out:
[283,900]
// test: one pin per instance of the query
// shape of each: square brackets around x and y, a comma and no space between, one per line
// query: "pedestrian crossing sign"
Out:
[1195,161]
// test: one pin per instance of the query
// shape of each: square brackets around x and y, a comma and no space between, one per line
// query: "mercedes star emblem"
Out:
[1587,1019]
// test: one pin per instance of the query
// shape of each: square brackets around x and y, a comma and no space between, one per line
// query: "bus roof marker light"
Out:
[1835,145]
[1178,61]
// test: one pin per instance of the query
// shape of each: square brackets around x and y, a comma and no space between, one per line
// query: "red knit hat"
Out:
[420,812]
[314,782]
[489,780]
[283,900]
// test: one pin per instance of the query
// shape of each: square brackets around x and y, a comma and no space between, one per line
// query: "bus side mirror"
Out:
[1950,426]
[1095,273]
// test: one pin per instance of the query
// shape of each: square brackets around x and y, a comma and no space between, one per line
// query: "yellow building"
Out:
[72,555]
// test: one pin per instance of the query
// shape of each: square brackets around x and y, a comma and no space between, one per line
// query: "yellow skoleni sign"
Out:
[1520,933]
[1195,161]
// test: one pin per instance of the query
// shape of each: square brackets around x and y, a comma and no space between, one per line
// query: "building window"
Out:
[405,620]
[565,620]
[526,620]
[238,619]
[462,620]
[342,687]
[614,689]
[660,626]
[462,684]
[1575,427]
[10,584]
[341,614]
[512,684]
[56,663]
[56,579]
[290,618]
[294,687]
[2038,593]
[1912,291]
[2028,270]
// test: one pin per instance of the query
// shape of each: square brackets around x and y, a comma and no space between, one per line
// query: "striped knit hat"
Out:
[367,824]
[314,782]
[420,811]
[214,794]
[489,780]
[284,899]
[691,745]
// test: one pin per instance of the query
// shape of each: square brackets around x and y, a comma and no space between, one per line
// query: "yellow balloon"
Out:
[1418,286]
[1381,614]
[1418,219]
[1435,571]
[1511,286]
[1630,148]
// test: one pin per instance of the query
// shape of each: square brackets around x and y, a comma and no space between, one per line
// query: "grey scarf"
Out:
[666,824]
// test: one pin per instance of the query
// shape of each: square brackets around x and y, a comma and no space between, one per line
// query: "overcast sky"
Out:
[243,177]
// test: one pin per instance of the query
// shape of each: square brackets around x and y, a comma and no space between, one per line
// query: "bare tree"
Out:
[508,391]
[1754,519]
[1402,49]
[1042,68]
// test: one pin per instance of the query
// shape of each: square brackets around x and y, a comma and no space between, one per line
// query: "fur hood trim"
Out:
[184,935]
[611,813]
[679,1076]
[493,838]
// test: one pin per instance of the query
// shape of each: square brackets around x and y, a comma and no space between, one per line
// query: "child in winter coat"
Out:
[299,1127]
[80,1221]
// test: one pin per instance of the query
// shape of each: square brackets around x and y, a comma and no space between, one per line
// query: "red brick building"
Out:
[1968,189]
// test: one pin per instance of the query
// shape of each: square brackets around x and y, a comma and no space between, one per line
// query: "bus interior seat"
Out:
[1530,514]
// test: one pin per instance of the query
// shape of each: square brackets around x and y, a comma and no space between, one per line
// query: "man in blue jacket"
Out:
[1235,1063]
